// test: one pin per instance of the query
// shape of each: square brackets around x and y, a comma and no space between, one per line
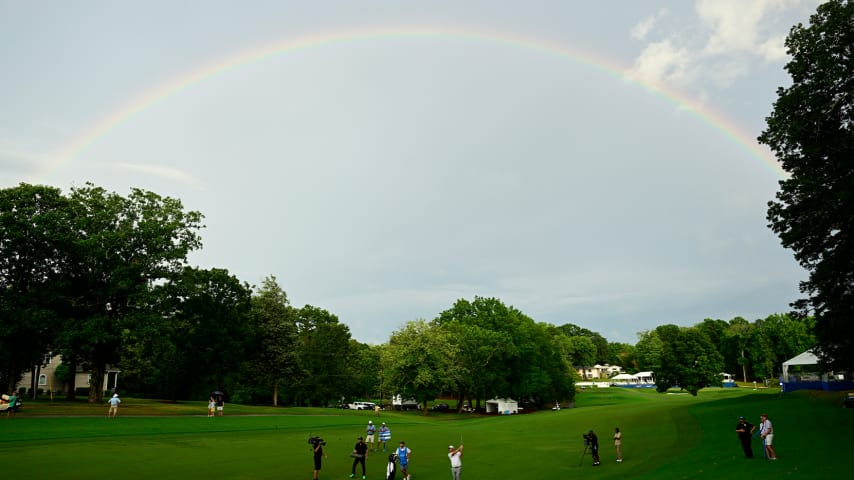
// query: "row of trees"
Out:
[103,280]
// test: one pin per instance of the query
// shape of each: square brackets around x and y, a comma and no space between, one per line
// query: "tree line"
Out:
[103,280]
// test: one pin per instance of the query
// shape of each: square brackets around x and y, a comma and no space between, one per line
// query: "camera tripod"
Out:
[581,460]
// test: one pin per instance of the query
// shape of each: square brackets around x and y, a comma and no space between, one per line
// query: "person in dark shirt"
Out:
[594,447]
[744,429]
[360,453]
[318,455]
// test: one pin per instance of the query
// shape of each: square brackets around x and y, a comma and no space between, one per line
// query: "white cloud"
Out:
[717,45]
[645,26]
[662,62]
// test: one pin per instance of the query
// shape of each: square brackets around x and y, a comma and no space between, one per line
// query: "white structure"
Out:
[645,377]
[806,358]
[400,403]
[625,378]
[504,406]
[598,371]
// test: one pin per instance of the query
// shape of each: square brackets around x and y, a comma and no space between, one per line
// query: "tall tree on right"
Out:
[811,131]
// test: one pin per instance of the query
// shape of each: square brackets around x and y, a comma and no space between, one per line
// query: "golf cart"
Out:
[8,408]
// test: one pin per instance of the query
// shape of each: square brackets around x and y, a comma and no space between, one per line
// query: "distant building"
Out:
[47,381]
[598,371]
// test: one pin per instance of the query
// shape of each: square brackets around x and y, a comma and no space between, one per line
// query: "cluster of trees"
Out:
[693,357]
[103,280]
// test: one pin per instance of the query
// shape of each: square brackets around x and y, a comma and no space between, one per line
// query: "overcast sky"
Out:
[588,162]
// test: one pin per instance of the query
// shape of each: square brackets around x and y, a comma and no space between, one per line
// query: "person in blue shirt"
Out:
[403,453]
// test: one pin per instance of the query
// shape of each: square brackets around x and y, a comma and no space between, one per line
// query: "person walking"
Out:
[403,453]
[319,454]
[766,431]
[385,435]
[618,444]
[744,429]
[370,431]
[360,454]
[456,457]
[114,406]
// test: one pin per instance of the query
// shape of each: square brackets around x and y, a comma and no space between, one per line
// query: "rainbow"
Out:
[167,90]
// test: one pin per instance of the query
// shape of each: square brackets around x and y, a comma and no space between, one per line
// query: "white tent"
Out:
[502,405]
[625,378]
[646,377]
[806,358]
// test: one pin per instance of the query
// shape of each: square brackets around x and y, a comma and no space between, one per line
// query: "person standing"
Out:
[13,403]
[456,457]
[744,429]
[766,431]
[377,409]
[360,453]
[114,406]
[403,453]
[594,447]
[220,403]
[618,444]
[385,435]
[211,406]
[319,454]
[370,431]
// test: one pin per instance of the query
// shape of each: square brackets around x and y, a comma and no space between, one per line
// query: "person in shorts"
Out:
[319,454]
[403,453]
[766,431]
[370,431]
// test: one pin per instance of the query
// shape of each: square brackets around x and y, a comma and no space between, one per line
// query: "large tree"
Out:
[34,233]
[811,132]
[121,246]
[688,360]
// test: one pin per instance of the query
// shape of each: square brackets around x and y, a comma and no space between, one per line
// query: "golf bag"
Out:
[391,470]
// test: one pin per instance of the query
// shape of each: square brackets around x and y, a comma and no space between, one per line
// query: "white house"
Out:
[48,383]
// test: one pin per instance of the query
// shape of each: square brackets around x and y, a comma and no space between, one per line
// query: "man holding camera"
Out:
[594,447]
[360,453]
[317,446]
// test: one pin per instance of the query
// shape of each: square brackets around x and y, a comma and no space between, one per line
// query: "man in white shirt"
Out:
[456,457]
[766,431]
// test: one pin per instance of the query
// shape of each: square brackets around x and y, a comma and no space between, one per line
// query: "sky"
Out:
[592,163]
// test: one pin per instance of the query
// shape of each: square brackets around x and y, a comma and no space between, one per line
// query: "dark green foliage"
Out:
[811,131]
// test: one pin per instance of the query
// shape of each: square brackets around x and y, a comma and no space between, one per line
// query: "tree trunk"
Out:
[70,394]
[96,386]
[275,394]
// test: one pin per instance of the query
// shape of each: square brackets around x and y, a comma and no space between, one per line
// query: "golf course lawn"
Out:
[665,436]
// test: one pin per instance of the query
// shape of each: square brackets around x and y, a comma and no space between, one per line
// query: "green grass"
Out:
[664,436]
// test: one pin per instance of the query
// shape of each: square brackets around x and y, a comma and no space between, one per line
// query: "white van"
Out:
[362,406]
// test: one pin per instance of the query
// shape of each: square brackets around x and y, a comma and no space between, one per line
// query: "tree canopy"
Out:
[811,132]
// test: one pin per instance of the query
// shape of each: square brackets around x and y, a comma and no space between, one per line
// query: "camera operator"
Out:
[317,444]
[594,447]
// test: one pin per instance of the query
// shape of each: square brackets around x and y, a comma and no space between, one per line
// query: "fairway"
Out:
[664,436]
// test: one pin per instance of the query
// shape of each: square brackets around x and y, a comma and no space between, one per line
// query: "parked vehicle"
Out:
[440,407]
[361,406]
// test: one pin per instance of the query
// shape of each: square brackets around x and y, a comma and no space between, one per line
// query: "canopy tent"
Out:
[625,378]
[806,358]
[811,378]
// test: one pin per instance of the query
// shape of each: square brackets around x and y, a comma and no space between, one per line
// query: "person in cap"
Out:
[385,435]
[360,453]
[114,406]
[766,431]
[455,455]
[745,429]
[370,431]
